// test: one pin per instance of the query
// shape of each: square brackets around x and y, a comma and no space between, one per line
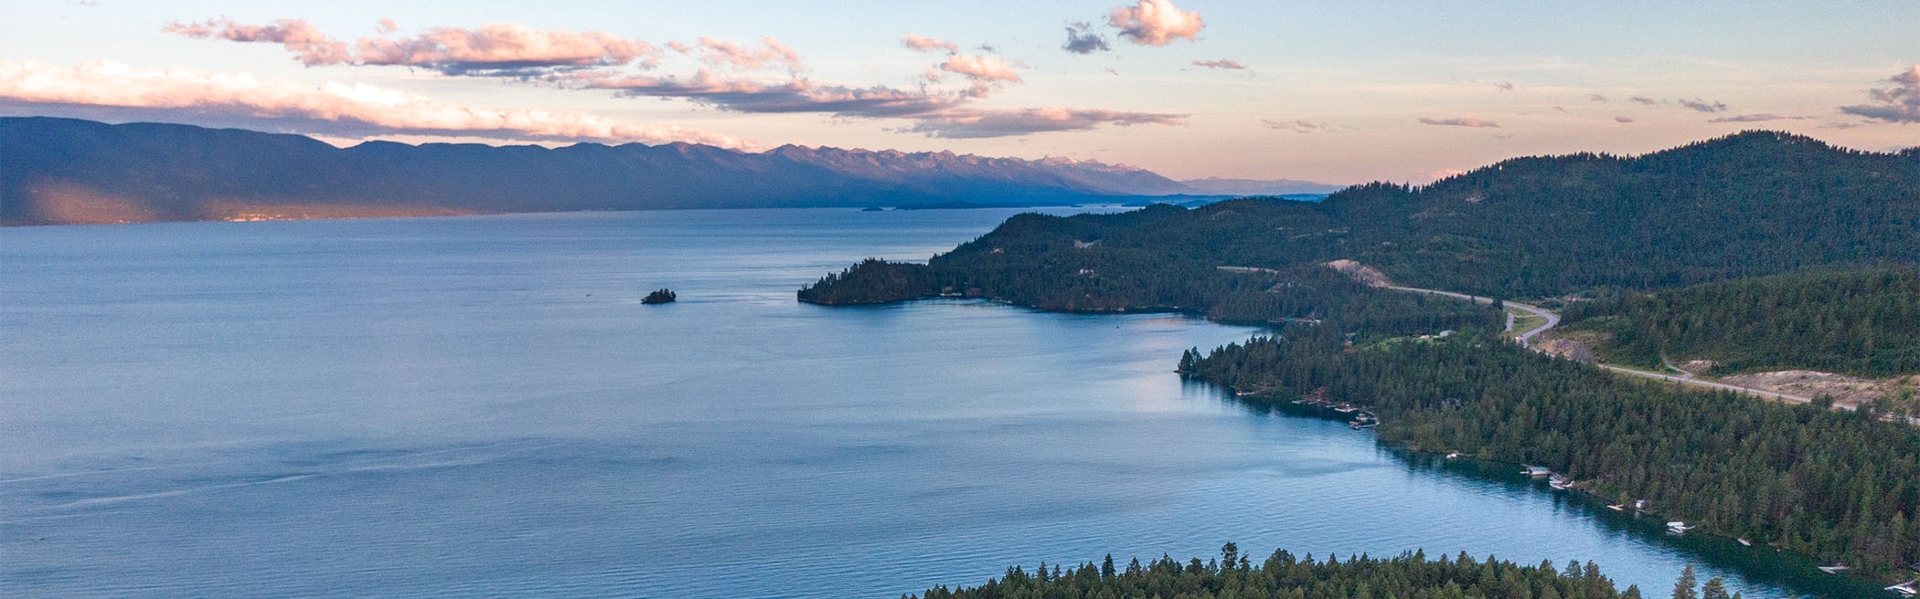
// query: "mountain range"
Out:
[66,171]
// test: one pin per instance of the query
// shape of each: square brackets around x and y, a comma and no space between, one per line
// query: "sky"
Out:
[1336,92]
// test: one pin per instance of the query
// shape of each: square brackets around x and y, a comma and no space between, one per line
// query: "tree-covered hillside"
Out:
[1127,278]
[1747,205]
[1856,322]
[1285,576]
[1836,485]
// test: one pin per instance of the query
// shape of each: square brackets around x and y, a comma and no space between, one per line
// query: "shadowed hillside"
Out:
[71,171]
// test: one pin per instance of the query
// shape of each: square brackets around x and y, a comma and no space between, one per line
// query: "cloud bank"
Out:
[1220,64]
[114,89]
[920,43]
[1460,122]
[980,69]
[1023,121]
[1155,23]
[934,114]
[603,61]
[308,44]
[494,48]
[729,54]
[1897,104]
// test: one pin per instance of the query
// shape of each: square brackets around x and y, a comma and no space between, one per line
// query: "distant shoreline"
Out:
[119,213]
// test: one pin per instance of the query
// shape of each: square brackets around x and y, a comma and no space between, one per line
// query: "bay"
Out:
[480,406]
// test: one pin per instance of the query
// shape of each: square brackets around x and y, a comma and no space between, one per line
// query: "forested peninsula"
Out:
[1756,249]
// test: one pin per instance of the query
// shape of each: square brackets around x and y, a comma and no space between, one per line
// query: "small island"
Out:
[661,296]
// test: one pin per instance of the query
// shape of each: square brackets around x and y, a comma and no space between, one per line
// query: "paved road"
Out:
[1553,320]
[1526,337]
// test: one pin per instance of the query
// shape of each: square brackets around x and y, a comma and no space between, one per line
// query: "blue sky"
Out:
[1337,92]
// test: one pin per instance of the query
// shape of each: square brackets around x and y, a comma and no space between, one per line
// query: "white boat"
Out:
[1908,588]
[1834,569]
[1617,507]
[1743,541]
[1678,527]
[1536,471]
[1454,455]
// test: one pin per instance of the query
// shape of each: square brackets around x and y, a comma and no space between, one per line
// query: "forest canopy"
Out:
[1286,576]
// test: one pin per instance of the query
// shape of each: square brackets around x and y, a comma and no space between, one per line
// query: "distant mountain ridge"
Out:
[63,171]
[1259,187]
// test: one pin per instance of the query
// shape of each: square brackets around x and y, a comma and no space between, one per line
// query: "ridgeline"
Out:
[66,171]
[1746,205]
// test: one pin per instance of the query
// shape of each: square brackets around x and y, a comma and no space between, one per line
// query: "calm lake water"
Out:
[482,407]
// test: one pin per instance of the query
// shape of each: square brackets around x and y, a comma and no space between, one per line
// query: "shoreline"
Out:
[1582,494]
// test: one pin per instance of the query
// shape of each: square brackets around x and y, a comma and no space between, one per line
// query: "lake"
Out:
[482,407]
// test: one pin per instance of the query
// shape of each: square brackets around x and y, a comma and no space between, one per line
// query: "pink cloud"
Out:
[1897,104]
[1461,122]
[494,48]
[719,52]
[593,60]
[387,26]
[1155,22]
[797,95]
[501,46]
[299,37]
[1025,121]
[1220,64]
[934,114]
[919,43]
[980,69]
[114,89]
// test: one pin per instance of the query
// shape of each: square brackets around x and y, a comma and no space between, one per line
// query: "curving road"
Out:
[1526,339]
